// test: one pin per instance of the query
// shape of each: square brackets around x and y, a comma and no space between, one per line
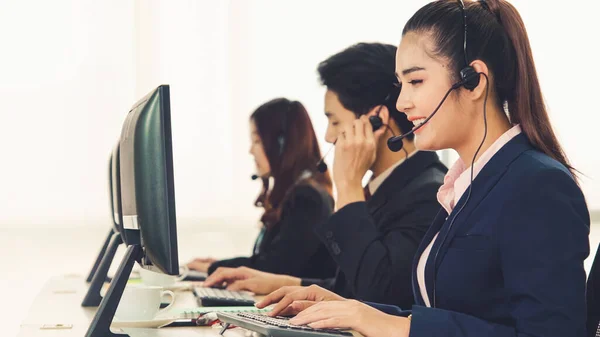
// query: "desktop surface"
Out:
[57,311]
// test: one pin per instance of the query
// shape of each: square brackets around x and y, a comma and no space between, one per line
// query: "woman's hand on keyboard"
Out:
[296,307]
[286,297]
[354,315]
[244,278]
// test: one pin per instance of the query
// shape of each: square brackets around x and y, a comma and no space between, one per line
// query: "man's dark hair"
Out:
[363,77]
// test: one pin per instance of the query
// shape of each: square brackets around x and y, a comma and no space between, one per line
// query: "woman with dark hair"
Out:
[504,256]
[285,151]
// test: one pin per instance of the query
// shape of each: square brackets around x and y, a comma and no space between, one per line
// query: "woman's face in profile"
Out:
[425,80]
[257,151]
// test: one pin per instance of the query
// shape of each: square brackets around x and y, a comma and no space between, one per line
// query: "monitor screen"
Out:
[146,174]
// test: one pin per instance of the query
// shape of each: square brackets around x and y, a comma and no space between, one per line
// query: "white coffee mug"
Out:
[141,303]
[151,277]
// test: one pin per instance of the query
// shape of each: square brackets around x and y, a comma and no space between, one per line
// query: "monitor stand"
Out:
[100,326]
[92,297]
[100,256]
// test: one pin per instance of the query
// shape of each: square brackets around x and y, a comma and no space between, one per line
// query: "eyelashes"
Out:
[413,82]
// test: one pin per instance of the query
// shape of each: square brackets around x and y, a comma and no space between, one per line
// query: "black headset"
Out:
[281,137]
[469,77]
[470,80]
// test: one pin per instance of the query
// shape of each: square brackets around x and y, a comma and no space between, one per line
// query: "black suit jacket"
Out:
[374,242]
[291,247]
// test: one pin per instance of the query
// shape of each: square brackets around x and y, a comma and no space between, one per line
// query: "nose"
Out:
[404,103]
[330,135]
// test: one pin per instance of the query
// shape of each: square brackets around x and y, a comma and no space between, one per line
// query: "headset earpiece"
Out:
[469,78]
[284,127]
[376,122]
[281,142]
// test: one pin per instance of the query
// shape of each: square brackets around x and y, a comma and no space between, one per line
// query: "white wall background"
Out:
[66,79]
[70,70]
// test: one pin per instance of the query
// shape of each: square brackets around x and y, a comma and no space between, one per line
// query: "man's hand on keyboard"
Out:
[354,315]
[243,278]
[287,297]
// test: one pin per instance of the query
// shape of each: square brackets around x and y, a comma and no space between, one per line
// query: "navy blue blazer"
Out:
[512,263]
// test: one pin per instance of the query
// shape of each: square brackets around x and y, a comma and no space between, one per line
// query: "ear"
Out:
[479,91]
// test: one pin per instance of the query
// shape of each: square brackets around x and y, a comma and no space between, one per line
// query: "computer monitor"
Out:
[117,235]
[147,191]
[147,199]
[112,228]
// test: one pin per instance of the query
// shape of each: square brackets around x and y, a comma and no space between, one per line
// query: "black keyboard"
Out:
[276,326]
[194,275]
[211,297]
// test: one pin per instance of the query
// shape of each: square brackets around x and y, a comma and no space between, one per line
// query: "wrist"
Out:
[397,327]
[347,185]
[348,194]
[405,326]
[292,281]
[388,325]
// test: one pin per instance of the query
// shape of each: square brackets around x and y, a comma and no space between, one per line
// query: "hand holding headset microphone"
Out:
[376,123]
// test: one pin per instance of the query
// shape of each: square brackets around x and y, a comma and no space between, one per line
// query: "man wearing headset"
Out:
[373,240]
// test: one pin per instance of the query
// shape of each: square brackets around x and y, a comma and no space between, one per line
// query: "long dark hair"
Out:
[496,35]
[291,147]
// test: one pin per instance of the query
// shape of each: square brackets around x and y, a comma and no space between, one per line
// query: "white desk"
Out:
[59,302]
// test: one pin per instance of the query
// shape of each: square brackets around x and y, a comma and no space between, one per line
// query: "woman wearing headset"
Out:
[285,150]
[504,257]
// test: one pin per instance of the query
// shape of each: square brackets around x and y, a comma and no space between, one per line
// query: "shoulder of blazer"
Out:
[519,155]
[301,197]
[307,191]
[530,164]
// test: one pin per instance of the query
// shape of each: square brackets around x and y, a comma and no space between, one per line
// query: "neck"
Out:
[497,125]
[386,158]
